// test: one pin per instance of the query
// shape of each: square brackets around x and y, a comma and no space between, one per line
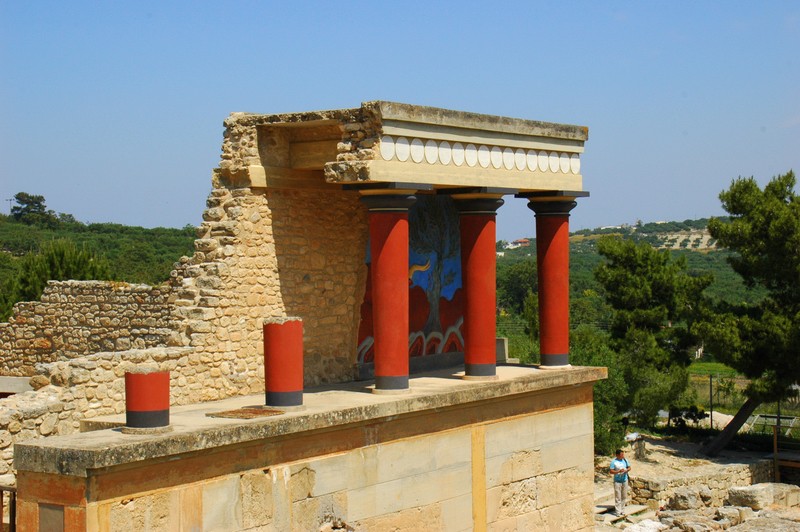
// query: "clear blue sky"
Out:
[113,110]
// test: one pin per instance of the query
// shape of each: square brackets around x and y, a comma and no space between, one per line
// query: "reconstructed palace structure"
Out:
[375,228]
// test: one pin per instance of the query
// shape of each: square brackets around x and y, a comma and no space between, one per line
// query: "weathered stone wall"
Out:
[273,253]
[75,318]
[656,493]
[518,473]
[84,388]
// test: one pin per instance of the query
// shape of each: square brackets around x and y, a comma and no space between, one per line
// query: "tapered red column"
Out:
[388,233]
[478,274]
[552,257]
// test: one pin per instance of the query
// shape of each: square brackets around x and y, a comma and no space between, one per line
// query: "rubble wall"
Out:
[83,388]
[75,318]
[656,493]
[267,254]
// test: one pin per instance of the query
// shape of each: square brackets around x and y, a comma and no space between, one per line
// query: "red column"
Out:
[283,362]
[478,274]
[388,233]
[146,399]
[552,257]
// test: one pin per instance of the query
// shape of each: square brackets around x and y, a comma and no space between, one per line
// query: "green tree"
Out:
[590,347]
[56,260]
[761,340]
[30,209]
[655,302]
[515,283]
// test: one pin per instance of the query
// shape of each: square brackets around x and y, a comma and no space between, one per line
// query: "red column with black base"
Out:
[146,399]
[478,274]
[283,362]
[552,254]
[388,233]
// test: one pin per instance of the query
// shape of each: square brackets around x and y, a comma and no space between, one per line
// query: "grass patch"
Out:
[711,368]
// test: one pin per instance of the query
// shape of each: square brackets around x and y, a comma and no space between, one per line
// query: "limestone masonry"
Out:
[374,226]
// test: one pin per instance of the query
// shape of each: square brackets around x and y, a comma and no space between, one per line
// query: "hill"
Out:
[689,239]
[135,254]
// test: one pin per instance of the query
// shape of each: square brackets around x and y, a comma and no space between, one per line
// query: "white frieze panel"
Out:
[504,158]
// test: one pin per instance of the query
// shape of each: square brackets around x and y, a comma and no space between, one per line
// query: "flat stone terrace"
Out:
[324,408]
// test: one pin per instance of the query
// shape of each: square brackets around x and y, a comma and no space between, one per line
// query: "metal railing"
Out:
[764,423]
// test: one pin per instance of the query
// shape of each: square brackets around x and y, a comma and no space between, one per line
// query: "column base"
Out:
[284,399]
[384,391]
[388,385]
[563,366]
[555,360]
[481,371]
[480,377]
[146,430]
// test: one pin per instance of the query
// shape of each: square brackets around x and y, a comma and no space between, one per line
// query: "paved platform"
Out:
[325,407]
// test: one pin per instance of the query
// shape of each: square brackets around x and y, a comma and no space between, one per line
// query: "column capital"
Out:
[388,202]
[551,208]
[478,205]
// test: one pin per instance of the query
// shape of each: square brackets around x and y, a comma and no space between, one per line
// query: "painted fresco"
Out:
[434,283]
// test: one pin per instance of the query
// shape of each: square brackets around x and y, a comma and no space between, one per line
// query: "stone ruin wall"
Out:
[261,253]
[656,493]
[86,387]
[75,318]
[267,254]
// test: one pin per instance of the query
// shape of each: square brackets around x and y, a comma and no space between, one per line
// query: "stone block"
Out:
[332,473]
[410,520]
[314,513]
[577,451]
[256,497]
[517,498]
[430,487]
[457,513]
[222,504]
[301,483]
[685,498]
[757,496]
[405,458]
[374,501]
[565,485]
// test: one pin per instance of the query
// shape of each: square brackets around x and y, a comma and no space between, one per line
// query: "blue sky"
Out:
[113,110]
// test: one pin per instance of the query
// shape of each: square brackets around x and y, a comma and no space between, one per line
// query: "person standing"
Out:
[619,468]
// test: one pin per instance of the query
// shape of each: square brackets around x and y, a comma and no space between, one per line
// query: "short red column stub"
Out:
[283,361]
[146,399]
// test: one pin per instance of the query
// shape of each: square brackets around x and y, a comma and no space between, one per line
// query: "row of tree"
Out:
[656,313]
[37,245]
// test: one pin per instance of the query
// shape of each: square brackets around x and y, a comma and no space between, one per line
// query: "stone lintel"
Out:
[388,142]
[436,393]
[461,119]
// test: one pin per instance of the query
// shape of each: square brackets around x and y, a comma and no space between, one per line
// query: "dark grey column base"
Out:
[555,360]
[480,370]
[391,383]
[146,419]
[284,398]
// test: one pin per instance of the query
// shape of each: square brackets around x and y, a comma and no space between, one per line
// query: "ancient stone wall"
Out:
[75,318]
[84,388]
[656,493]
[260,253]
[266,253]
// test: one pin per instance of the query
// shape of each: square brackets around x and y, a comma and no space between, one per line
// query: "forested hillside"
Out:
[31,234]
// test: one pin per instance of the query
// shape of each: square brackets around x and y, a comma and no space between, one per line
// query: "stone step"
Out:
[632,511]
[603,508]
[649,514]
